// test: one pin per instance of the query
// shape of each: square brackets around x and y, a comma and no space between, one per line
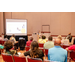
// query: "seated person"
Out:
[72,47]
[57,53]
[69,37]
[5,38]
[49,44]
[12,38]
[43,40]
[34,52]
[60,37]
[29,42]
[8,45]
[21,44]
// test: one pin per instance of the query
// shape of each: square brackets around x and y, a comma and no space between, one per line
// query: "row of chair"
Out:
[63,46]
[16,58]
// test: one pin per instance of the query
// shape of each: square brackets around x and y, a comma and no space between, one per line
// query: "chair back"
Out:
[40,44]
[0,41]
[3,42]
[72,55]
[27,48]
[46,52]
[65,46]
[19,59]
[29,59]
[7,57]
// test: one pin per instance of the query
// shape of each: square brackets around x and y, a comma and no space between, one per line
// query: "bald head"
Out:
[57,42]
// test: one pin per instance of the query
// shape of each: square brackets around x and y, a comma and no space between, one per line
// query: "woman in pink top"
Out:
[72,47]
[29,42]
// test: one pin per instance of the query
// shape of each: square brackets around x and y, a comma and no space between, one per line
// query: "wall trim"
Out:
[62,35]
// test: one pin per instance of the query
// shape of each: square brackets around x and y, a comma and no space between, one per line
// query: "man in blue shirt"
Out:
[57,53]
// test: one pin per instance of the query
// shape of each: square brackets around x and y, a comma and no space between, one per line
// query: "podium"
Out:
[35,36]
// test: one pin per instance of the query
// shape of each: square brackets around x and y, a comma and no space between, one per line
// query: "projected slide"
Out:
[17,27]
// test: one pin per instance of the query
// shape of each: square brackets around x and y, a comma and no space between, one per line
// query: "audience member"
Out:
[57,53]
[21,44]
[62,40]
[8,45]
[60,37]
[1,38]
[12,38]
[49,44]
[5,39]
[72,47]
[69,37]
[43,40]
[29,42]
[34,51]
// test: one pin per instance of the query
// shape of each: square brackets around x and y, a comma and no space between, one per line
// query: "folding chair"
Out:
[46,52]
[65,46]
[27,48]
[72,55]
[19,59]
[7,57]
[1,42]
[40,44]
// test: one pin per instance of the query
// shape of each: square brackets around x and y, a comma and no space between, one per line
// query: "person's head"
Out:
[60,37]
[43,37]
[34,45]
[50,38]
[31,38]
[34,49]
[57,42]
[8,45]
[69,34]
[13,35]
[5,36]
